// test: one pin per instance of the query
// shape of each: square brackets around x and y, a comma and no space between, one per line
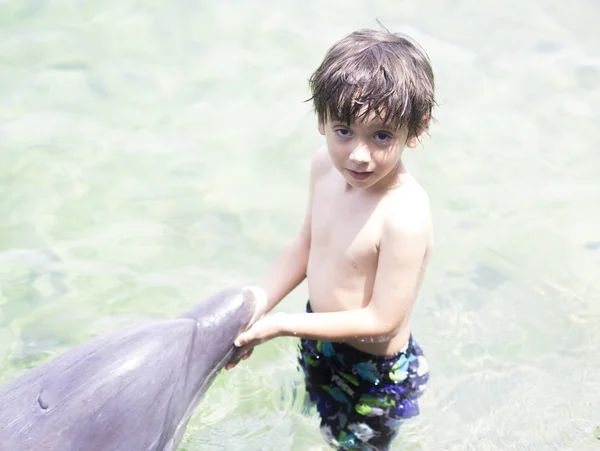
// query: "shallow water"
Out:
[154,152]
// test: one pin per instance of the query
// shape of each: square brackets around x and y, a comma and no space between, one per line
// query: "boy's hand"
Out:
[261,331]
[240,354]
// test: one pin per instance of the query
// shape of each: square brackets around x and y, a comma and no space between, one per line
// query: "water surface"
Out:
[154,152]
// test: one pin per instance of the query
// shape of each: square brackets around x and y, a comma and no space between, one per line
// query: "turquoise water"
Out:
[154,152]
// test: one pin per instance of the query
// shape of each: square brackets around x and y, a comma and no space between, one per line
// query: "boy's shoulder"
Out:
[407,208]
[320,163]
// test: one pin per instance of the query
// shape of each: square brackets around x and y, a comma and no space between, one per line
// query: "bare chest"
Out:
[345,228]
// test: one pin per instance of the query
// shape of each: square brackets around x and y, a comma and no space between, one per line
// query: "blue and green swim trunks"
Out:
[362,398]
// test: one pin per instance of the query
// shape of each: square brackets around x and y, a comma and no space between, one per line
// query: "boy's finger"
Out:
[241,340]
[234,361]
[240,354]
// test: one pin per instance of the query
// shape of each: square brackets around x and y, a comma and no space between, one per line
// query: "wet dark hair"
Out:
[379,72]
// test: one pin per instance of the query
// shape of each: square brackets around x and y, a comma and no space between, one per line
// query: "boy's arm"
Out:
[290,267]
[403,251]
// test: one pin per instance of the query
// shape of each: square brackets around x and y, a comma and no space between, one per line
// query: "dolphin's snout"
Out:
[260,297]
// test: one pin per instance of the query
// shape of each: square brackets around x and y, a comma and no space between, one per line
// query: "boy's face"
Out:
[366,153]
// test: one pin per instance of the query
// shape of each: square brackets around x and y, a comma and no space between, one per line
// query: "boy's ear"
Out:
[414,141]
[321,127]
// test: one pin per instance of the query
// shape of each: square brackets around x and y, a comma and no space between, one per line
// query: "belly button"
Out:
[354,265]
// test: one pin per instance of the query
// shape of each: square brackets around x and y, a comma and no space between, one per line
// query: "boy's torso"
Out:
[346,228]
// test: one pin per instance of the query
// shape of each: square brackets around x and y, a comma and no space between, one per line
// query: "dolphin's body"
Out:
[133,389]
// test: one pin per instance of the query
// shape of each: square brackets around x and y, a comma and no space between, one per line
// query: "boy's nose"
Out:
[360,154]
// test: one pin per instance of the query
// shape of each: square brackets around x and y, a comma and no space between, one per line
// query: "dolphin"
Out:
[132,389]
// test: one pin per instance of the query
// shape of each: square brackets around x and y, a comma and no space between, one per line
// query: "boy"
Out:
[364,245]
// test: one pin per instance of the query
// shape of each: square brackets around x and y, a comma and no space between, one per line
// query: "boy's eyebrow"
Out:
[383,126]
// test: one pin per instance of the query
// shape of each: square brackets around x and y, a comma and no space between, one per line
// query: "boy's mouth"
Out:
[358,175]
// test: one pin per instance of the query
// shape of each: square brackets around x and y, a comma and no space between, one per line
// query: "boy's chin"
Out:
[366,183]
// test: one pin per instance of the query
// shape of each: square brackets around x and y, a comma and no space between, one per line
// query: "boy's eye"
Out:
[343,132]
[382,136]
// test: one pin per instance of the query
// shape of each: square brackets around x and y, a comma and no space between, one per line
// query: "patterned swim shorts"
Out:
[362,398]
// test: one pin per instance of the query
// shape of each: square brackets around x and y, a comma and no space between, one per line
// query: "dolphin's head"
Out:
[219,320]
[134,388]
[229,312]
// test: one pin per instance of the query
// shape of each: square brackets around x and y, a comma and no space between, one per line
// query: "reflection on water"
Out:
[153,152]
